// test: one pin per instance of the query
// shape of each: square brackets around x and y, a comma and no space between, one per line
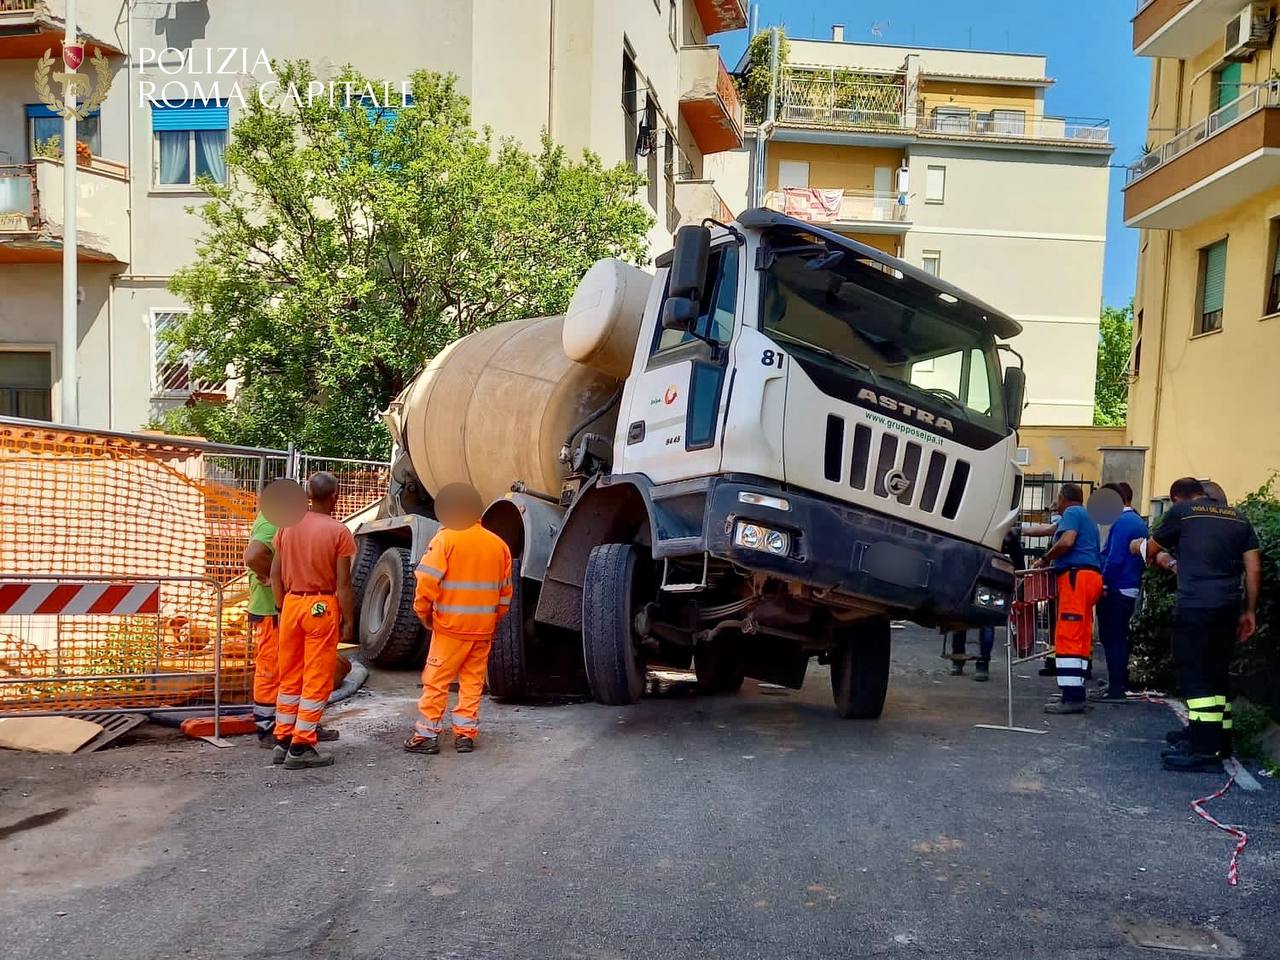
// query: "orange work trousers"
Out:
[266,675]
[464,659]
[309,634]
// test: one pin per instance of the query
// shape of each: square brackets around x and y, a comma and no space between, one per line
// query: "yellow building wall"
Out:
[980,97]
[1075,447]
[833,167]
[1216,396]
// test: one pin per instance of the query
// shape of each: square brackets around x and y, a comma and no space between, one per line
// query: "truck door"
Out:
[671,423]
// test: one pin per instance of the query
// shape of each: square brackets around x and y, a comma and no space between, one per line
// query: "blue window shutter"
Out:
[39,110]
[189,115]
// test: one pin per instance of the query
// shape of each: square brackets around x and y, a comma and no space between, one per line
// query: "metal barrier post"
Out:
[1020,600]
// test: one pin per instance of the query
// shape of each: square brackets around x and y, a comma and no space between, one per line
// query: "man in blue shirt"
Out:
[1121,575]
[1076,560]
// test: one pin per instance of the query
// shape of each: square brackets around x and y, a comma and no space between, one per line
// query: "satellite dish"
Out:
[1104,506]
[283,502]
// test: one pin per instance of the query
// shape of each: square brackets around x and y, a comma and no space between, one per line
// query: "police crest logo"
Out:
[75,86]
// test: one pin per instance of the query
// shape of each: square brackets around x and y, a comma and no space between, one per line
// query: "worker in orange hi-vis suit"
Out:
[463,590]
[311,578]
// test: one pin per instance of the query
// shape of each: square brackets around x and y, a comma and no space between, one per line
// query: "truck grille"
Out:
[874,455]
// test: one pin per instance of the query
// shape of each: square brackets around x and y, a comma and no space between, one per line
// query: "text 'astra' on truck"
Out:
[758,455]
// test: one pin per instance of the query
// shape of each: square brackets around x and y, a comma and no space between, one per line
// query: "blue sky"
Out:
[1088,43]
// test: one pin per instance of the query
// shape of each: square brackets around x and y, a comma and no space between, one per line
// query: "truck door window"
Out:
[719,304]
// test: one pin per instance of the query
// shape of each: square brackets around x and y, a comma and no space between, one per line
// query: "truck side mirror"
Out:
[1015,395]
[688,278]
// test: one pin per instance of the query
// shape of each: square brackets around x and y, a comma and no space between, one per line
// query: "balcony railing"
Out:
[818,205]
[984,125]
[830,99]
[709,100]
[17,6]
[19,211]
[1255,99]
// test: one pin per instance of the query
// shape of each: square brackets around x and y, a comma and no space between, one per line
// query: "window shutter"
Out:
[1215,277]
[189,115]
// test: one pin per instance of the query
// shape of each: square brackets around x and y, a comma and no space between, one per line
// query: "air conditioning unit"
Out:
[1248,31]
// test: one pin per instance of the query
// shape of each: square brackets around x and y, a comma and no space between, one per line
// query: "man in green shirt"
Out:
[263,621]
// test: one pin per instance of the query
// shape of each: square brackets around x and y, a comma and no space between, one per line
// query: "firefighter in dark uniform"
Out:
[1214,545]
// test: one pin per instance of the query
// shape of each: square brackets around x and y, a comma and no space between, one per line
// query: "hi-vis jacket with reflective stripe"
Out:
[464,583]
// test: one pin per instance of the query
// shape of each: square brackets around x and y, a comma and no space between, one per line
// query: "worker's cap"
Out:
[283,502]
[458,505]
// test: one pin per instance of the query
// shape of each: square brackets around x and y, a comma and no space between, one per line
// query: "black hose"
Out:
[593,416]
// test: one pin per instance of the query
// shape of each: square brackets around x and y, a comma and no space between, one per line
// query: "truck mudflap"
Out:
[933,578]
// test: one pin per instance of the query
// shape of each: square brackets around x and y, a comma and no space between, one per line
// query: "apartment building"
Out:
[1206,198]
[950,160]
[635,81]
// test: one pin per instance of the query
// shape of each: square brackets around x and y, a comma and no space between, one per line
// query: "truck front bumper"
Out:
[873,558]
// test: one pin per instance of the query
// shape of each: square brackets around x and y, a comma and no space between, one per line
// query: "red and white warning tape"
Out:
[67,599]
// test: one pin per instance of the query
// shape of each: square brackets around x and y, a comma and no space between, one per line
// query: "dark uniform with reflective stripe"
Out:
[1209,540]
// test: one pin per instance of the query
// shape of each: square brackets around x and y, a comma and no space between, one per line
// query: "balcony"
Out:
[31,212]
[717,16]
[698,199]
[30,27]
[863,211]
[1181,29]
[1015,127]
[813,98]
[708,100]
[1219,162]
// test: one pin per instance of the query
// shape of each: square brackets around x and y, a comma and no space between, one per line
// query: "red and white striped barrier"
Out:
[68,598]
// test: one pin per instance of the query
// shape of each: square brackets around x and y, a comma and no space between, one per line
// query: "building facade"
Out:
[948,159]
[1206,198]
[635,81]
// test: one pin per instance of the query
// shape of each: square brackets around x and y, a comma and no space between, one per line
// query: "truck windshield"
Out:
[838,311]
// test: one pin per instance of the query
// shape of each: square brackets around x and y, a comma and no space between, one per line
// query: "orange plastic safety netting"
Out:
[77,504]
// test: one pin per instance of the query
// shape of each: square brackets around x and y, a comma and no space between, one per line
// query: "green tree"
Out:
[1111,384]
[753,82]
[351,244]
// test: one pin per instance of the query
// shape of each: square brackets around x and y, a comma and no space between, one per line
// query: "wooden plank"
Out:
[47,734]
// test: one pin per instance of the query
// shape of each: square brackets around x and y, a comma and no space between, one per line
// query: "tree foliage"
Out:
[1111,384]
[753,83]
[351,244]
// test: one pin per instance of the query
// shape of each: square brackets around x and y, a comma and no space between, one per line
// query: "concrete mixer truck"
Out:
[756,456]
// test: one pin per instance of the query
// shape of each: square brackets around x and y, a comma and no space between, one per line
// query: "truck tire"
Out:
[389,629]
[367,552]
[509,658]
[719,668]
[615,673]
[860,669]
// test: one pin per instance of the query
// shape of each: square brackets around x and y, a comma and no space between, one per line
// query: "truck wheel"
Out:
[860,669]
[509,660]
[615,673]
[367,553]
[389,629]
[719,668]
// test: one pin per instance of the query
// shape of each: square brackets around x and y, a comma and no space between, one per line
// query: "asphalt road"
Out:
[751,826]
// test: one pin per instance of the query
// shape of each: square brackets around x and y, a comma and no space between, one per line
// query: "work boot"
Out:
[1192,762]
[982,671]
[267,736]
[463,744]
[1107,696]
[301,758]
[1064,707]
[279,750]
[325,735]
[419,744]
[1176,737]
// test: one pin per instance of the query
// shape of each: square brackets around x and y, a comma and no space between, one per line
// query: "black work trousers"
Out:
[1203,640]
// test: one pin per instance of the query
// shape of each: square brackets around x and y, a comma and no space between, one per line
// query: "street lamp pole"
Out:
[70,308]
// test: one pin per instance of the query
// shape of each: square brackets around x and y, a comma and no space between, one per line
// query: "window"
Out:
[43,124]
[1213,283]
[630,107]
[719,303]
[673,22]
[171,370]
[1273,281]
[26,384]
[1009,123]
[1135,365]
[962,376]
[793,173]
[649,149]
[932,262]
[935,184]
[1226,84]
[190,142]
[1022,457]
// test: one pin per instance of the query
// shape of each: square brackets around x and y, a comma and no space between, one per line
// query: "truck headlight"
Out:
[990,598]
[754,536]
